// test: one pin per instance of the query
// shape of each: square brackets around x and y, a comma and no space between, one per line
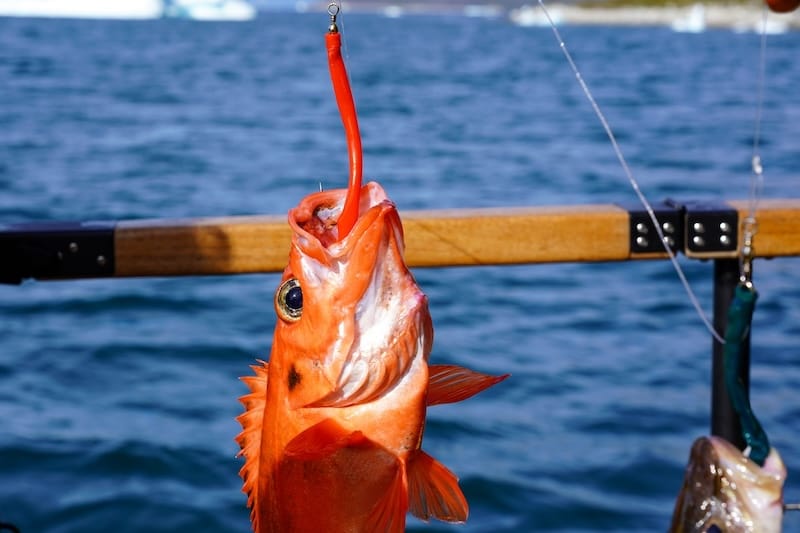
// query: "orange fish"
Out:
[333,425]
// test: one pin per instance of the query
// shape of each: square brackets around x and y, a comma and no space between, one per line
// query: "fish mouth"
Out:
[314,222]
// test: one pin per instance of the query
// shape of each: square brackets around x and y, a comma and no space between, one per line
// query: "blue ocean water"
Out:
[118,397]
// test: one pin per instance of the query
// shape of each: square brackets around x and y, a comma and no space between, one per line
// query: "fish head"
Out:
[724,490]
[352,320]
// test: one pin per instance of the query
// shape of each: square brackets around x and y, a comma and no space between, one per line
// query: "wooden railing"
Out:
[459,237]
[235,245]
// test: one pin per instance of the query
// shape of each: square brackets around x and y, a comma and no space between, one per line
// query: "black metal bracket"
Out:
[712,229]
[643,235]
[56,250]
[699,229]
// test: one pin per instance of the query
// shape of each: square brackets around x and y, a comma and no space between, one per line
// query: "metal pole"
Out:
[724,420]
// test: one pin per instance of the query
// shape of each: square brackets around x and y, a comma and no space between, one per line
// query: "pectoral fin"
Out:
[433,490]
[389,514]
[452,383]
[347,482]
[321,440]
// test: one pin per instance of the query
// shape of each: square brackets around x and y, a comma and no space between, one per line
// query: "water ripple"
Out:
[118,397]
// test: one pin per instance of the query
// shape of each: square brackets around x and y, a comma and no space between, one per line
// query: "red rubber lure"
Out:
[347,110]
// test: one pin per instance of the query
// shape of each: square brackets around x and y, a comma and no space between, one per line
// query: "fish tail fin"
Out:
[433,490]
[249,439]
[389,514]
[452,383]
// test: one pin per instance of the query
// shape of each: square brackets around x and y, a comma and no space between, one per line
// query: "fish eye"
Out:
[289,300]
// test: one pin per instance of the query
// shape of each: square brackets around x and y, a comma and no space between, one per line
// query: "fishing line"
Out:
[634,183]
[757,177]
[344,34]
[750,226]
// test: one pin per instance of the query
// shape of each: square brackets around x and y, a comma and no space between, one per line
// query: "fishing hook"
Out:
[347,110]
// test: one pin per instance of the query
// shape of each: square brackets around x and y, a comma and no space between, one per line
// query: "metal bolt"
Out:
[641,242]
[668,227]
[724,227]
[724,240]
[101,260]
[73,247]
[698,227]
[698,241]
[670,241]
[641,228]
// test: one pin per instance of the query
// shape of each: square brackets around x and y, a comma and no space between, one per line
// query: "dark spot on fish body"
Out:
[294,378]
